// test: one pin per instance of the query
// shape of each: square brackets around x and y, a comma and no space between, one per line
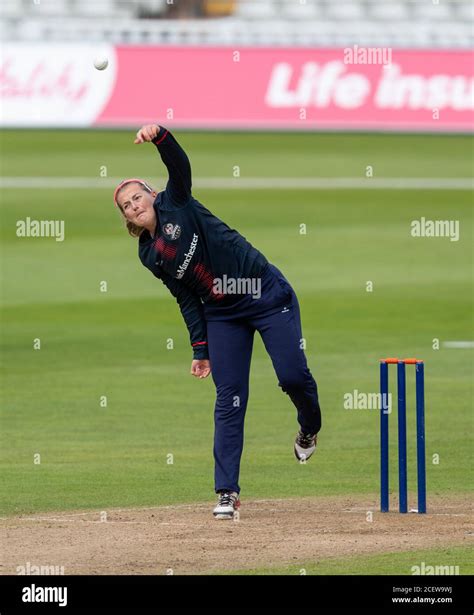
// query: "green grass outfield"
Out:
[114,343]
[459,560]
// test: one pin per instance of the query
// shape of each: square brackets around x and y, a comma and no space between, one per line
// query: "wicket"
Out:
[402,434]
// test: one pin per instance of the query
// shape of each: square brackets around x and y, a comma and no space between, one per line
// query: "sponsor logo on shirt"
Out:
[172,231]
[192,248]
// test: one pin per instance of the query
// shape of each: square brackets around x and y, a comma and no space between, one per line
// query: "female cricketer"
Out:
[226,290]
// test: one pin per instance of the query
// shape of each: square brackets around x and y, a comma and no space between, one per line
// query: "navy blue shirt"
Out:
[191,247]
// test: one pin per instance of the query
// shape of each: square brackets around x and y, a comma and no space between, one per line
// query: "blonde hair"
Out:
[133,229]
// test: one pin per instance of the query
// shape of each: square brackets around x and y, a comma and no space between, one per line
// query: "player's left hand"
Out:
[201,368]
[147,133]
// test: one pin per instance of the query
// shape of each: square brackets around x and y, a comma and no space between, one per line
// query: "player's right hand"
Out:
[201,368]
[147,133]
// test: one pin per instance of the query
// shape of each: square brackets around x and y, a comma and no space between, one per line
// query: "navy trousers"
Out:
[230,332]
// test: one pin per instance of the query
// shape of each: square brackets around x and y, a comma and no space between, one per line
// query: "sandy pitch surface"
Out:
[188,540]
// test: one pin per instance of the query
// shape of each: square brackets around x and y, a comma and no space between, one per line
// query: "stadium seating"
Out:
[397,23]
[393,11]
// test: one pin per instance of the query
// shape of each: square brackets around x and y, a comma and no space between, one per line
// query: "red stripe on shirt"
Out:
[162,138]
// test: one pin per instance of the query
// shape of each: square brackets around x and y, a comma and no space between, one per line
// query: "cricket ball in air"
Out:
[101,62]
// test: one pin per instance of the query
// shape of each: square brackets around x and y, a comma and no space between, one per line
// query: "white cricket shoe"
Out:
[227,504]
[305,445]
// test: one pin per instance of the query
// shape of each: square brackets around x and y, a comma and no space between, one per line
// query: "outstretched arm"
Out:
[175,159]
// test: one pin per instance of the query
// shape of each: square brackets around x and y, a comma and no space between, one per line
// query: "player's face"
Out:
[136,204]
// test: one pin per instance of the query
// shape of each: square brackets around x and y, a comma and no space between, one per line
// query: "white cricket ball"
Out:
[101,62]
